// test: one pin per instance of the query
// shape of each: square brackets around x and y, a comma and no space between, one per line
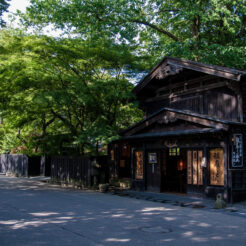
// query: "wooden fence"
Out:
[20,165]
[84,171]
[71,169]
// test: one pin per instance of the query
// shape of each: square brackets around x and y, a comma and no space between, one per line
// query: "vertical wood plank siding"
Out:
[220,104]
[71,169]
[16,165]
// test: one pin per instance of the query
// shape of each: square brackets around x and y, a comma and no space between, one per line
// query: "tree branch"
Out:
[170,35]
[67,123]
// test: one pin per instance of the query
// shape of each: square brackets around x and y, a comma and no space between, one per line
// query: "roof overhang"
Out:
[171,66]
[174,133]
[168,115]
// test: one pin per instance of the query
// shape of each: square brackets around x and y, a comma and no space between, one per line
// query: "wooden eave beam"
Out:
[197,120]
[188,91]
[212,70]
[223,72]
[177,116]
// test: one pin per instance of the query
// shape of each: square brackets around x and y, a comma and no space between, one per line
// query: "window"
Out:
[194,169]
[174,151]
[216,167]
[139,165]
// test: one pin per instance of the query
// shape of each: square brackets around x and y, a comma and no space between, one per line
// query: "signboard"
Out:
[237,151]
[152,158]
[139,164]
[216,167]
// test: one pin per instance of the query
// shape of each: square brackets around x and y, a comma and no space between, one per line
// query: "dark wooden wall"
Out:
[219,103]
[69,169]
[243,90]
[16,165]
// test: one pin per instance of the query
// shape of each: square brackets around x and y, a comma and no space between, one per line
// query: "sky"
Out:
[21,5]
[18,4]
[14,5]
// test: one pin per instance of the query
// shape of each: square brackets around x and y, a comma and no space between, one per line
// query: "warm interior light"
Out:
[180,165]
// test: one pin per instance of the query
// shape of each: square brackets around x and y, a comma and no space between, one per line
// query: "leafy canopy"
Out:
[211,31]
[3,8]
[61,94]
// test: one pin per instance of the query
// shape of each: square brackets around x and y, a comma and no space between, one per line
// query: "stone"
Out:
[219,203]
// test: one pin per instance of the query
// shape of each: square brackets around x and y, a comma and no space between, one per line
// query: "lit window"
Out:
[174,151]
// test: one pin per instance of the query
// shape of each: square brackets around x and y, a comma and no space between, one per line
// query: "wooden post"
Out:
[240,107]
[226,167]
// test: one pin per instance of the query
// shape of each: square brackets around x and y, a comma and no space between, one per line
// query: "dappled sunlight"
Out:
[150,214]
[167,240]
[8,222]
[43,214]
[118,215]
[169,218]
[204,225]
[23,224]
[155,209]
[111,220]
[217,238]
[200,239]
[188,234]
[118,240]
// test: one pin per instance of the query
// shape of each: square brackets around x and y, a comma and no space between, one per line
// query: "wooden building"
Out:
[192,137]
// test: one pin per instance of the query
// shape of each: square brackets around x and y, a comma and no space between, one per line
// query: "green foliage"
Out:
[210,31]
[65,92]
[75,92]
[3,8]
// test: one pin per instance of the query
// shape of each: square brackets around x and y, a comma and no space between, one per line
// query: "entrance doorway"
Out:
[174,170]
[153,171]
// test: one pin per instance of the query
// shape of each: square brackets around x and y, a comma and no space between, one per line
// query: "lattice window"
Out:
[174,151]
[194,169]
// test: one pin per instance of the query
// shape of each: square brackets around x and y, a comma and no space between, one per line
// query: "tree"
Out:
[211,31]
[3,8]
[58,93]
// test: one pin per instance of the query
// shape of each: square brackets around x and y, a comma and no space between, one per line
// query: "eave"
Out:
[180,64]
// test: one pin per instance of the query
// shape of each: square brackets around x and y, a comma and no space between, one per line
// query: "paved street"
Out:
[34,213]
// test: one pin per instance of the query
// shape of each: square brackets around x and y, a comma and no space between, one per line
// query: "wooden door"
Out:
[153,171]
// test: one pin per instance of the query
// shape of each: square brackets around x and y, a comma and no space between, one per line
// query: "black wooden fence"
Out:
[71,169]
[84,171]
[20,165]
[16,165]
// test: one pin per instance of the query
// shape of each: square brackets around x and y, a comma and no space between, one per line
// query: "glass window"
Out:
[194,169]
[174,151]
[216,167]
[139,164]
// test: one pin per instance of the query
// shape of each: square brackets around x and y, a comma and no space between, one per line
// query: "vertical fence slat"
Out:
[67,169]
